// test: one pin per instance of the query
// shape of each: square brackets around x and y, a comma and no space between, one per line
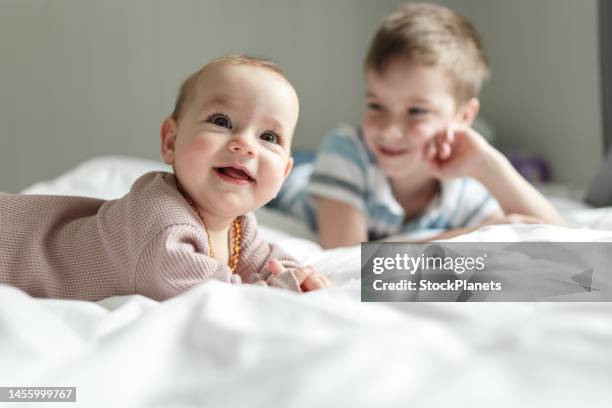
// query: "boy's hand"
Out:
[456,152]
[460,151]
[308,279]
[511,219]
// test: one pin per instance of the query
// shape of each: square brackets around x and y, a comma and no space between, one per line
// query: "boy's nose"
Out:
[392,133]
[242,146]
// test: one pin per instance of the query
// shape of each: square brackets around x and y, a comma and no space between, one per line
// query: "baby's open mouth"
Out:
[234,174]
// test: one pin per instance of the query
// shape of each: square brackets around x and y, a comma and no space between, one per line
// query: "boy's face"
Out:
[406,106]
[230,148]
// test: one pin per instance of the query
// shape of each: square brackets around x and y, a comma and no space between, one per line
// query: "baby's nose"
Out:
[241,146]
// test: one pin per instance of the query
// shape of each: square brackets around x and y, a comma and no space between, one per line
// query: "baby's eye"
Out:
[219,119]
[270,137]
[374,106]
[417,111]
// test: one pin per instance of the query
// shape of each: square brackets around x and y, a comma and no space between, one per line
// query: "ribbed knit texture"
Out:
[149,242]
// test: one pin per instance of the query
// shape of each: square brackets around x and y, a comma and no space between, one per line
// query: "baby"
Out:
[228,140]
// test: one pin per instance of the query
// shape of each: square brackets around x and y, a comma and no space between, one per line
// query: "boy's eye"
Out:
[417,111]
[219,119]
[270,137]
[374,106]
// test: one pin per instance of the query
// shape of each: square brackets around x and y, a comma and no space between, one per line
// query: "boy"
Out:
[228,140]
[415,166]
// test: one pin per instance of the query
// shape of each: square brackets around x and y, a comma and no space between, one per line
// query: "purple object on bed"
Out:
[533,168]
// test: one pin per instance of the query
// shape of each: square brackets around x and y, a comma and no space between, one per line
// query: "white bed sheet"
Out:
[224,345]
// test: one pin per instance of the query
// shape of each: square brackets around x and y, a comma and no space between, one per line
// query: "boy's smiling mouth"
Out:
[385,151]
[234,174]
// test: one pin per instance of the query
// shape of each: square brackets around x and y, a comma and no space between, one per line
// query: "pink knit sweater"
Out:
[149,242]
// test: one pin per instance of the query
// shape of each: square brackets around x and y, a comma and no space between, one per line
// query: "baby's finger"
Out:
[301,274]
[275,266]
[328,283]
[312,282]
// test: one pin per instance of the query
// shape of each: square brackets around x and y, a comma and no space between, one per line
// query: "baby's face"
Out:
[406,106]
[232,144]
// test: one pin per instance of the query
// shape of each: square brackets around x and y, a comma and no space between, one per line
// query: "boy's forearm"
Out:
[340,224]
[452,233]
[512,191]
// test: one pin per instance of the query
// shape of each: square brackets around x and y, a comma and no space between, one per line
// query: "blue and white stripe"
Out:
[345,171]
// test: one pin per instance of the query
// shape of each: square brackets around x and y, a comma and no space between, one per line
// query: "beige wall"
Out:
[544,95]
[80,78]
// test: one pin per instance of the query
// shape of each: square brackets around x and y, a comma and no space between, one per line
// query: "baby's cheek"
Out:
[196,150]
[271,177]
[201,144]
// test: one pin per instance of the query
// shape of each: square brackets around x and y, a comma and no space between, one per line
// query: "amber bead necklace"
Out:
[236,230]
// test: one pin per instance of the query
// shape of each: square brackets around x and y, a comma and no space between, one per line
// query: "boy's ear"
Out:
[289,166]
[167,135]
[469,111]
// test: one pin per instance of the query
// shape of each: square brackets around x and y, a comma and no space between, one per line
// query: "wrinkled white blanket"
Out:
[220,345]
[223,345]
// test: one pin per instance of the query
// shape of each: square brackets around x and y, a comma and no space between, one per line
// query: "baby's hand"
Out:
[458,151]
[311,280]
[307,278]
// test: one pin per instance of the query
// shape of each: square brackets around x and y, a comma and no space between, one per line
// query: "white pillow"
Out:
[106,177]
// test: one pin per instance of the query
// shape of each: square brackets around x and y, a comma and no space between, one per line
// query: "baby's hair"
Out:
[189,86]
[432,35]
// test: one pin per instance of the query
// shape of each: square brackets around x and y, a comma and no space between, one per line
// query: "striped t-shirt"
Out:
[345,171]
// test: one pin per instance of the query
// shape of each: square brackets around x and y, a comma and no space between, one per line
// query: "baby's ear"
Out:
[167,133]
[289,166]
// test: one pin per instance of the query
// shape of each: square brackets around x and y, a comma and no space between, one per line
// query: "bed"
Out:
[234,346]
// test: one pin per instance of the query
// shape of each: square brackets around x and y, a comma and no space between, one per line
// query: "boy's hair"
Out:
[432,35]
[188,89]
